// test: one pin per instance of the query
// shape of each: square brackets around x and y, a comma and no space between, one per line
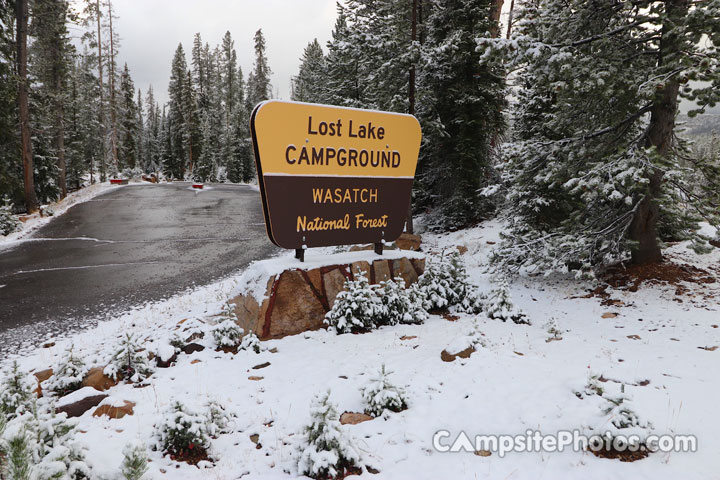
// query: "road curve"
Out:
[126,247]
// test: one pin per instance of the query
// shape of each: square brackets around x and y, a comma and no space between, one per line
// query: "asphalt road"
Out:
[124,248]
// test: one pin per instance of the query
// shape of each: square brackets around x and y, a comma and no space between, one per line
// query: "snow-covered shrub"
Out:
[445,283]
[251,342]
[325,450]
[9,223]
[400,304]
[134,174]
[553,329]
[68,374]
[135,460]
[379,394]
[218,419]
[47,441]
[130,361]
[592,387]
[16,392]
[358,308]
[621,414]
[227,334]
[15,453]
[182,434]
[499,306]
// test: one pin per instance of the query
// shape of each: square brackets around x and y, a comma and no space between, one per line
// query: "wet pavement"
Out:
[126,247]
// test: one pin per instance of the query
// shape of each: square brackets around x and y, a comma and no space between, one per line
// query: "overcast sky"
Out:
[150,31]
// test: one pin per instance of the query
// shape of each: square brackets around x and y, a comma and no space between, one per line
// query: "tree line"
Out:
[70,115]
[566,127]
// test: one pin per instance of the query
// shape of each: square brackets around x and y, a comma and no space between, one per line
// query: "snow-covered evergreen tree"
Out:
[218,418]
[16,392]
[8,221]
[357,308]
[181,432]
[309,84]
[129,361]
[460,106]
[499,306]
[379,394]
[258,85]
[135,461]
[68,374]
[595,172]
[325,450]
[401,304]
[227,333]
[445,284]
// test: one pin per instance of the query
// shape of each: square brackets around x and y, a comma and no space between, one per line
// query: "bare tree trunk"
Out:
[510,18]
[21,13]
[60,140]
[411,99]
[643,229]
[111,84]
[101,111]
[495,12]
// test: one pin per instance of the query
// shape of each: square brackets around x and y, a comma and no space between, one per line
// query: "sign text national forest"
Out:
[332,175]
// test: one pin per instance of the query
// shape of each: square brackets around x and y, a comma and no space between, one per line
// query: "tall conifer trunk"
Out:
[644,227]
[21,14]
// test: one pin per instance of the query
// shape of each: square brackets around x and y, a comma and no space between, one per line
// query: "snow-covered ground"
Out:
[36,220]
[657,341]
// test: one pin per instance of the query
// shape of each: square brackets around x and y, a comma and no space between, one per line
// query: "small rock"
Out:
[192,348]
[709,349]
[408,337]
[255,378]
[79,402]
[634,337]
[167,363]
[609,315]
[462,249]
[41,376]
[483,453]
[197,360]
[49,344]
[449,357]
[351,418]
[97,379]
[262,365]
[115,412]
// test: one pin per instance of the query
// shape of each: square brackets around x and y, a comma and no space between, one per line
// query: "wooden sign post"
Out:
[333,175]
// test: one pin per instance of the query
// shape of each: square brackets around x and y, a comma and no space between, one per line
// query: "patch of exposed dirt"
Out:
[631,277]
[623,456]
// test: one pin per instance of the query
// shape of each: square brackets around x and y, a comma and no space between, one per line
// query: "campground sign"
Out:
[332,175]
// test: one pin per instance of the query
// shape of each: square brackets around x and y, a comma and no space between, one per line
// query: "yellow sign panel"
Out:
[306,139]
[332,175]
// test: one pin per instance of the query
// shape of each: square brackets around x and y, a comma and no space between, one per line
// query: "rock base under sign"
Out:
[293,297]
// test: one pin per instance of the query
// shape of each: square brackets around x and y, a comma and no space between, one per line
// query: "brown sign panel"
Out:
[333,175]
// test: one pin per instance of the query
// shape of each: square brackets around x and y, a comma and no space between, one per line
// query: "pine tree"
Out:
[500,306]
[135,461]
[11,167]
[176,125]
[68,374]
[460,105]
[259,81]
[309,84]
[326,451]
[129,361]
[379,394]
[128,126]
[594,173]
[357,308]
[151,147]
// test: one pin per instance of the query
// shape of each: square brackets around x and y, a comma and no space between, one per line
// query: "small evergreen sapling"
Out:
[445,284]
[16,392]
[500,307]
[356,309]
[130,361]
[218,419]
[182,434]
[251,342]
[326,451]
[135,460]
[8,222]
[68,374]
[400,304]
[227,334]
[379,394]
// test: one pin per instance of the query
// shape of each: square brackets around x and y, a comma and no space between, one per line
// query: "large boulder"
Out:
[295,307]
[97,379]
[77,403]
[408,241]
